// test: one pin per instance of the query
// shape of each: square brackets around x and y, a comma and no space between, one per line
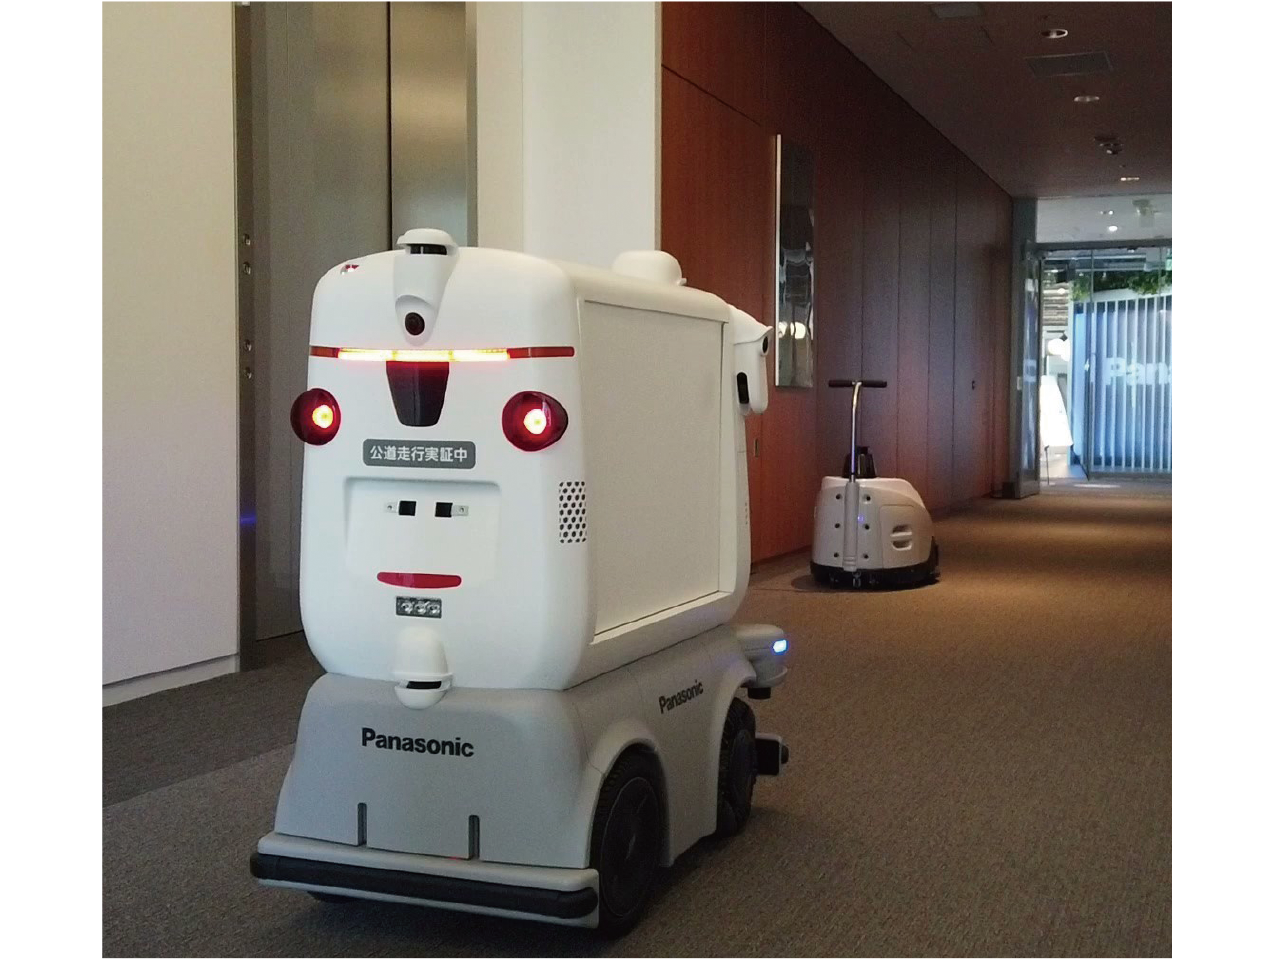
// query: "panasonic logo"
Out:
[449,748]
[684,696]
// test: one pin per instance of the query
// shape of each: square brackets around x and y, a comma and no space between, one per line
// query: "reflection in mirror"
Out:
[794,321]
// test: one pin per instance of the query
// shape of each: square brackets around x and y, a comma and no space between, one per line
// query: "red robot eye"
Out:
[533,421]
[315,416]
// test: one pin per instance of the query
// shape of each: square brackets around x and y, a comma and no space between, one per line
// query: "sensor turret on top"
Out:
[422,240]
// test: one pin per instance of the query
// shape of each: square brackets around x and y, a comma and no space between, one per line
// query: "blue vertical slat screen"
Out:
[1129,364]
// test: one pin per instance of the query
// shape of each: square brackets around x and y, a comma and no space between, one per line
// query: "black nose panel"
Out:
[417,390]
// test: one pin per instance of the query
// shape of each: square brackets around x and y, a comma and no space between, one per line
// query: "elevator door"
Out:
[321,194]
[352,127]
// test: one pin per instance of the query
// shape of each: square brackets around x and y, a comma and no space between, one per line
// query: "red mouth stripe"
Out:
[421,581]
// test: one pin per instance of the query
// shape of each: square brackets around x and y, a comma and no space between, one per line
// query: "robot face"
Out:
[442,422]
[446,480]
[531,420]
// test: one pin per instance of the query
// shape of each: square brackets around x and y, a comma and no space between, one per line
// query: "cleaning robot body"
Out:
[870,531]
[524,529]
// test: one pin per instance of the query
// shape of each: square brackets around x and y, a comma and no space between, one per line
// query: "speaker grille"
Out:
[573,511]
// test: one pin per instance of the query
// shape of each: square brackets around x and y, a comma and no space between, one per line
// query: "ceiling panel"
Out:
[970,78]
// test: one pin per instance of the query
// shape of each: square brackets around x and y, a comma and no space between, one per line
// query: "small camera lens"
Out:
[414,323]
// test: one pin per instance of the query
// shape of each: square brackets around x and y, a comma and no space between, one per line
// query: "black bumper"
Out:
[922,572]
[572,905]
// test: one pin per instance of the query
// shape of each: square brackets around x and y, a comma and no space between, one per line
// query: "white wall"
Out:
[570,167]
[169,339]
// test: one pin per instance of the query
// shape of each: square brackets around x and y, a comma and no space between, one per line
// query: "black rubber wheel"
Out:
[738,767]
[626,840]
[331,897]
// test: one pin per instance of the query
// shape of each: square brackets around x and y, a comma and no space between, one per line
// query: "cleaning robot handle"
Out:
[850,383]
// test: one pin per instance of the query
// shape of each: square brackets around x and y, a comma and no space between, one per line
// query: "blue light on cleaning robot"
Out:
[780,646]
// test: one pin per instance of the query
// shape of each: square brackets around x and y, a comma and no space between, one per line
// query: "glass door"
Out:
[1106,363]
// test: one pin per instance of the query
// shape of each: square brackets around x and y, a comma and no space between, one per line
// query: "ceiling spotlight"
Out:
[1112,228]
[1106,213]
[1054,33]
[1129,179]
[1088,98]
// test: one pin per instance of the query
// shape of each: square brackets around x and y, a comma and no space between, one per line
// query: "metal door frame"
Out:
[1024,262]
[247,502]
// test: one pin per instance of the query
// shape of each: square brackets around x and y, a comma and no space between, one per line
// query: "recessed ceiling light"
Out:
[1129,179]
[1112,228]
[1088,98]
[1106,213]
[1054,33]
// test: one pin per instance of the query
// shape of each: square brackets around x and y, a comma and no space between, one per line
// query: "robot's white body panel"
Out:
[538,576]
[870,524]
[527,764]
[501,624]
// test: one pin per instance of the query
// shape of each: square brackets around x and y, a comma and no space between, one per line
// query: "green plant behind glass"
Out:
[1139,281]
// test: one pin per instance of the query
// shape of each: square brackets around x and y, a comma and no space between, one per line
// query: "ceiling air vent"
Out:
[1069,64]
[956,11]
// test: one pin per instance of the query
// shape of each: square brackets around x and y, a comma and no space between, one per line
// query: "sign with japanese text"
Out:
[438,454]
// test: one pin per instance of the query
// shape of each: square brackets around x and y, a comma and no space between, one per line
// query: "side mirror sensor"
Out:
[750,348]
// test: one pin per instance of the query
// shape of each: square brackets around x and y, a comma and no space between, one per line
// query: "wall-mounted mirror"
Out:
[793,324]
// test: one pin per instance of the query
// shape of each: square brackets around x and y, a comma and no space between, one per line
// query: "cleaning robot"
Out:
[870,531]
[525,528]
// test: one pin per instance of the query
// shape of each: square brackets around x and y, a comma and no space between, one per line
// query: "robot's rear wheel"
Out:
[833,576]
[738,768]
[626,840]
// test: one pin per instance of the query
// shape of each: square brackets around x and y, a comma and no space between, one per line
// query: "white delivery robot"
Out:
[870,531]
[525,528]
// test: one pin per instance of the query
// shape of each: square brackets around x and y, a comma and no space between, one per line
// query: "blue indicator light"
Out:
[780,646]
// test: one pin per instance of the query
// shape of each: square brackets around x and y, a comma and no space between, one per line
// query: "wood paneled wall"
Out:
[911,246]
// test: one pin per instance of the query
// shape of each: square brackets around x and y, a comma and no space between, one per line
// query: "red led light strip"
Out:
[484,354]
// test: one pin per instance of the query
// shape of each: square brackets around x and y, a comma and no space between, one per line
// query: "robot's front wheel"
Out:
[626,840]
[738,768]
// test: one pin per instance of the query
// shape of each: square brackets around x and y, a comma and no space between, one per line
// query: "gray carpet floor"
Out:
[979,767]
